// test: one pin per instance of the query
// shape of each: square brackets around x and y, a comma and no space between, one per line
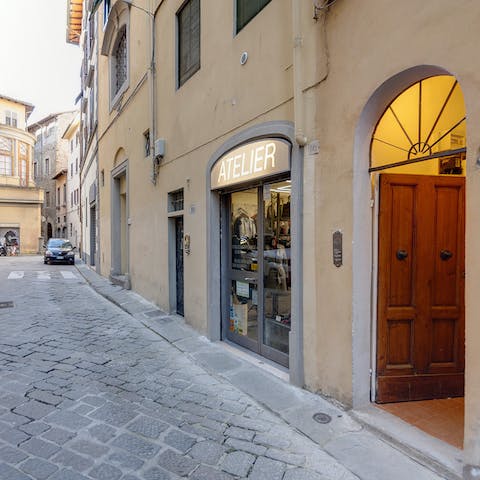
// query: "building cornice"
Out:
[28,106]
[18,134]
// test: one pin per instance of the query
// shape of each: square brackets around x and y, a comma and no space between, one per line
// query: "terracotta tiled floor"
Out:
[442,419]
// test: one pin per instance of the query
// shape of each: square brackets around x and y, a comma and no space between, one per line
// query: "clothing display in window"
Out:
[245,227]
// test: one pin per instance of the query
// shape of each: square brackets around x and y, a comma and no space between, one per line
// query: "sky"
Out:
[37,65]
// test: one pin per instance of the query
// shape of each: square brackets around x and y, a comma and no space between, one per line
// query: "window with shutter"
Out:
[106,11]
[247,9]
[188,40]
[6,156]
[11,118]
[23,162]
[120,60]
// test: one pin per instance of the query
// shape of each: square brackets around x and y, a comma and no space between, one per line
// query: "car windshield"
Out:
[58,243]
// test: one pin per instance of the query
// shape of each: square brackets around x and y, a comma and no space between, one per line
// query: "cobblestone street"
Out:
[88,392]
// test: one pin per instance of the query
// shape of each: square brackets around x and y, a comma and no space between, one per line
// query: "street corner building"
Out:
[20,200]
[300,179]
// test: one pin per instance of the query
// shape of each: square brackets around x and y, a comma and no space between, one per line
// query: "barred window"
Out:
[120,62]
[175,201]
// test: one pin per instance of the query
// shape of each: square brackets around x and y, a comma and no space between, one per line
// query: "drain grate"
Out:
[8,304]
[322,417]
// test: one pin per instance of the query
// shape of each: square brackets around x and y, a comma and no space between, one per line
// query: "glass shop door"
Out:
[258,286]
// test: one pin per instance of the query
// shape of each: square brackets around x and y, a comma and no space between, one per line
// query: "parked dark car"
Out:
[59,250]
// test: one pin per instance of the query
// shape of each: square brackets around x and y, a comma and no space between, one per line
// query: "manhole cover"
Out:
[6,304]
[322,417]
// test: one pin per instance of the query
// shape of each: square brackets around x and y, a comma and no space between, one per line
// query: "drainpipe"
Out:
[298,103]
[153,109]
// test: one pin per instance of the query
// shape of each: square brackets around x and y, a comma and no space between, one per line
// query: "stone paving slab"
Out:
[89,391]
[354,452]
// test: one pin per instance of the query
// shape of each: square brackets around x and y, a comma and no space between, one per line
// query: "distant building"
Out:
[20,199]
[89,174]
[72,135]
[50,159]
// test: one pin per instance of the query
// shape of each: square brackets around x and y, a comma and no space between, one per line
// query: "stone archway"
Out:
[363,304]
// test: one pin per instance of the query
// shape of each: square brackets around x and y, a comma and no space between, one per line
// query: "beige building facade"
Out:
[87,39]
[300,178]
[72,136]
[20,200]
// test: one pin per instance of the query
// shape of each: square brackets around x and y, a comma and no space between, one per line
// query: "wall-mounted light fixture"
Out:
[243,58]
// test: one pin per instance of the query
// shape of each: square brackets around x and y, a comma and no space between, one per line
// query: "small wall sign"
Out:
[337,248]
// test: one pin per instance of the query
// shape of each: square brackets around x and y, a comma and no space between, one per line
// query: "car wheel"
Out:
[71,262]
[45,262]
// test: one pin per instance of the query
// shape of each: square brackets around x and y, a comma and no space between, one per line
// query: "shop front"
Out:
[254,187]
[9,239]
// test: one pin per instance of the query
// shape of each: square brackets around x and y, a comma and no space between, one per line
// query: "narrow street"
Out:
[86,391]
[89,391]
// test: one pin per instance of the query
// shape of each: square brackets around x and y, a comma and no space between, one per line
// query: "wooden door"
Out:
[421,325]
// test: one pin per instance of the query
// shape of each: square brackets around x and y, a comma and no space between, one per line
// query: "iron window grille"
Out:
[175,201]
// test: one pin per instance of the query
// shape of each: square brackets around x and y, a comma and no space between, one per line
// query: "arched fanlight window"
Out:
[424,128]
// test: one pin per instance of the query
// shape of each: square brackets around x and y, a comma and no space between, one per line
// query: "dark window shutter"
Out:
[247,9]
[189,40]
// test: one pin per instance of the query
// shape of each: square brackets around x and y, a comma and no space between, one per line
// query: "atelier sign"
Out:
[251,161]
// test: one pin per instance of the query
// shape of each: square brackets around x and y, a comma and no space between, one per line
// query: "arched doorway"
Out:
[417,167]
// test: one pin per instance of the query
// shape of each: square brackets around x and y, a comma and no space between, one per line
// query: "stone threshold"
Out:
[441,457]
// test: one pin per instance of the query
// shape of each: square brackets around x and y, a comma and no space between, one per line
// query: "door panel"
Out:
[420,331]
[93,234]
[179,264]
[402,227]
[243,324]
[446,238]
[399,343]
[258,295]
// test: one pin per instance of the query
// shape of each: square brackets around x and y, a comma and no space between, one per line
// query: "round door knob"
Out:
[402,254]
[446,254]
